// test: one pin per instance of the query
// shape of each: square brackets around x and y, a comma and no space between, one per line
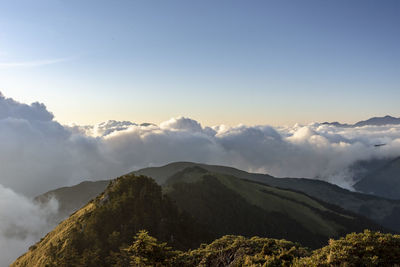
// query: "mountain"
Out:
[378,121]
[161,174]
[375,121]
[337,124]
[193,207]
[381,210]
[385,181]
[230,205]
[90,236]
[363,168]
[72,198]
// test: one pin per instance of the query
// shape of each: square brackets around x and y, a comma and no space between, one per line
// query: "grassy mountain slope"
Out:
[381,210]
[91,235]
[161,174]
[235,206]
[38,255]
[383,182]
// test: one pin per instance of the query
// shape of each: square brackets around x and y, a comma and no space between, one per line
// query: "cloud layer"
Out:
[22,224]
[36,63]
[38,154]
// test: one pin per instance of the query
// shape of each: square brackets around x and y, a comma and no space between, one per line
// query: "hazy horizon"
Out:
[303,121]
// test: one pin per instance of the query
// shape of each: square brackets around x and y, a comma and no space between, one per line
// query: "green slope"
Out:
[235,206]
[381,210]
[161,174]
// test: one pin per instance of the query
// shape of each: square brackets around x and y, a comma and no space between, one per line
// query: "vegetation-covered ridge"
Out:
[363,249]
[93,235]
[193,208]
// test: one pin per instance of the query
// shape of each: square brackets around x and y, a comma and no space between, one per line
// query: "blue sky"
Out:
[219,62]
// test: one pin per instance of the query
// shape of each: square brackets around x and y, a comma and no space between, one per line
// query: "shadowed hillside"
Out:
[384,181]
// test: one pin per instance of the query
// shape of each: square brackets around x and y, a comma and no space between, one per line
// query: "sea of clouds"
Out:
[38,154]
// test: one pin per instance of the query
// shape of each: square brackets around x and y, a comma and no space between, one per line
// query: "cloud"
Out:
[10,108]
[310,151]
[35,63]
[102,129]
[22,223]
[38,154]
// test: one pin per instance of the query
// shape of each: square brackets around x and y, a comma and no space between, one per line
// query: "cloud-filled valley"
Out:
[38,154]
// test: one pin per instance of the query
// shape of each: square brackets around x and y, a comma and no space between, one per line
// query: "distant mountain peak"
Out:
[374,121]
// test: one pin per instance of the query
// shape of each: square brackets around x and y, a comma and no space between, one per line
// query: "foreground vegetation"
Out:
[364,249]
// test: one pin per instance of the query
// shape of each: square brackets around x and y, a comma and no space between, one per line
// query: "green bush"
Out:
[364,249]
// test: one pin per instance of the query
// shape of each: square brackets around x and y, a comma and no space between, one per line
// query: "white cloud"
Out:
[35,63]
[22,223]
[39,154]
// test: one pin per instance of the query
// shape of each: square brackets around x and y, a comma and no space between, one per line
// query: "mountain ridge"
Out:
[374,121]
[382,210]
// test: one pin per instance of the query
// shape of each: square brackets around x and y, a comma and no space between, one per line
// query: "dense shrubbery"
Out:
[240,251]
[365,249]
[228,250]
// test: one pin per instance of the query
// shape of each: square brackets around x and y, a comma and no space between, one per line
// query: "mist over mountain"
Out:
[22,223]
[38,154]
[383,181]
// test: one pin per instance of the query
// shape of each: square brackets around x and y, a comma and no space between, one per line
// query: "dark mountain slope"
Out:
[383,182]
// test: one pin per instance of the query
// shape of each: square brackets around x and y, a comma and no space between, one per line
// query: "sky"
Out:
[218,62]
